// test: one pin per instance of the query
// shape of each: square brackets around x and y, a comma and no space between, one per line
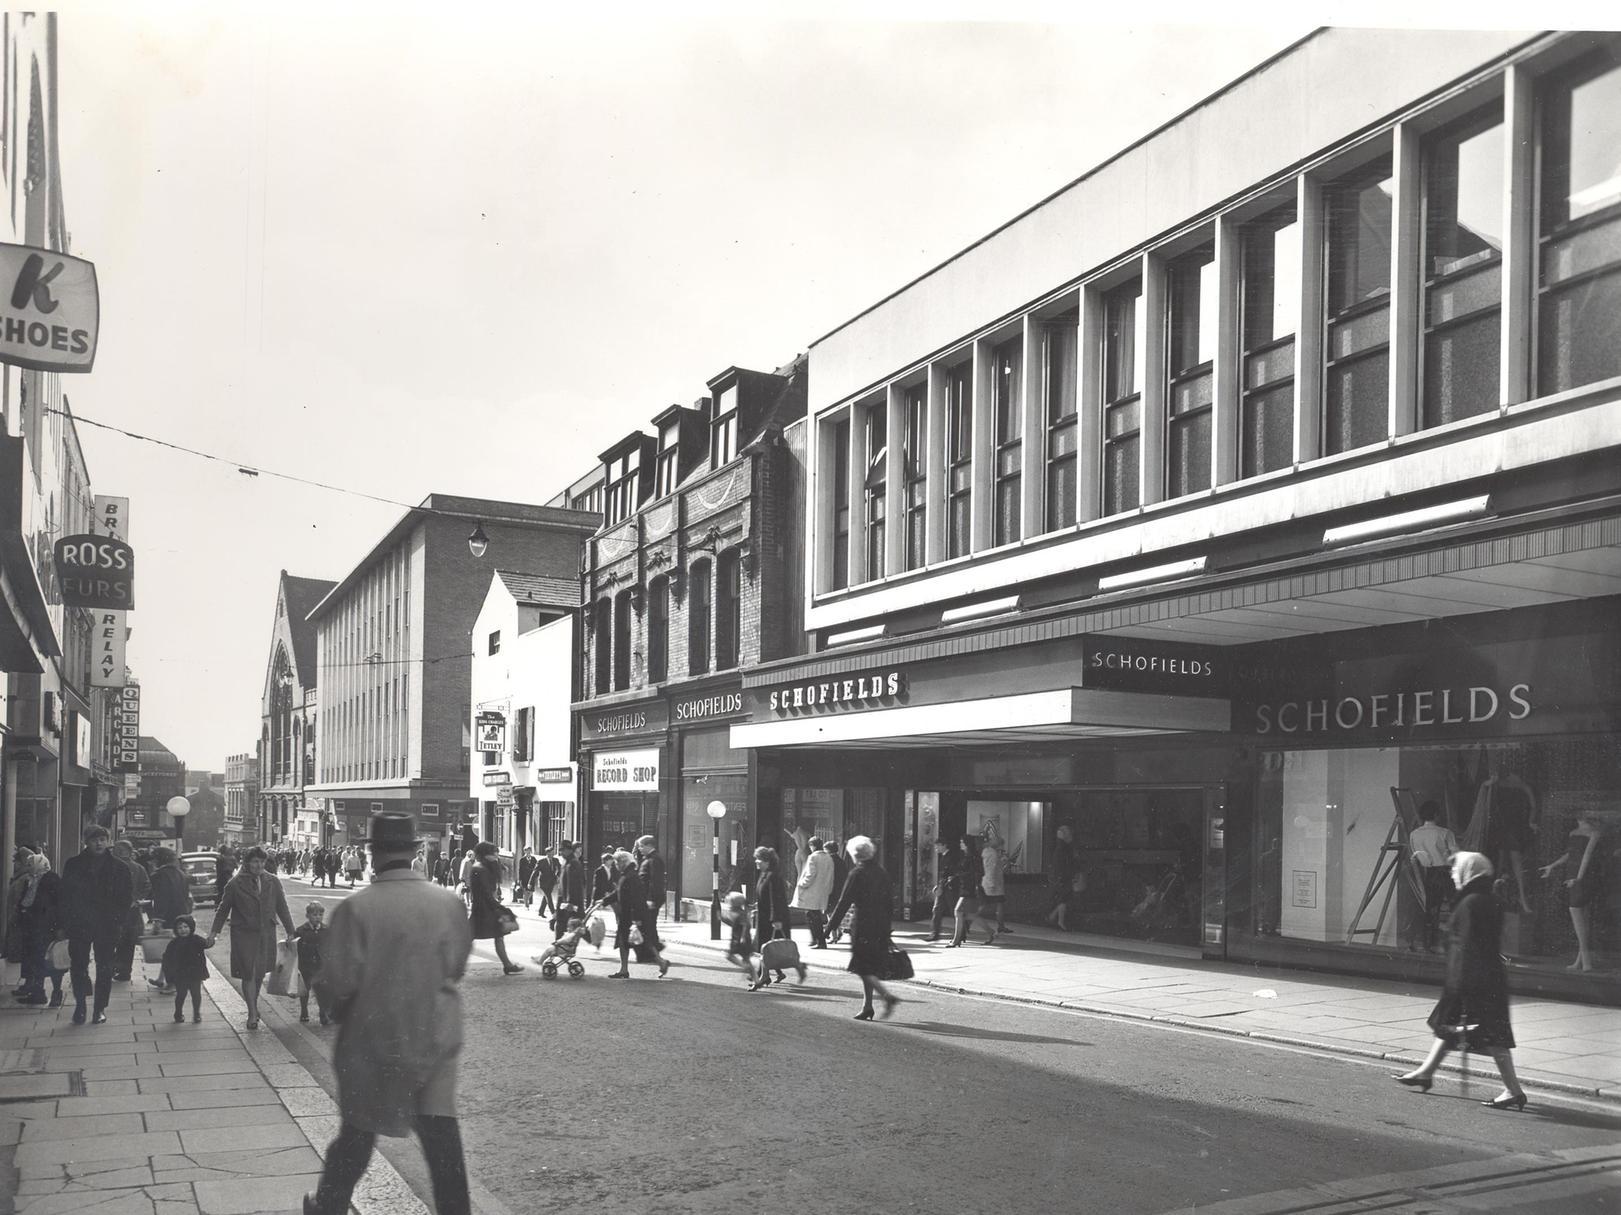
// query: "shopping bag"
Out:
[285,974]
[506,922]
[57,956]
[154,944]
[635,935]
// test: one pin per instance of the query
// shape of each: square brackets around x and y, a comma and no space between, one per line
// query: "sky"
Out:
[463,249]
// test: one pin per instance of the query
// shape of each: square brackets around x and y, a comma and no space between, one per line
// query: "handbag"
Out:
[635,937]
[57,955]
[506,922]
[897,965]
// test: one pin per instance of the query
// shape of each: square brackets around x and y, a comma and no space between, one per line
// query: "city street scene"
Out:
[820,611]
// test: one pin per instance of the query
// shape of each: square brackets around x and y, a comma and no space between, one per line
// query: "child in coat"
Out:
[734,910]
[185,966]
[311,936]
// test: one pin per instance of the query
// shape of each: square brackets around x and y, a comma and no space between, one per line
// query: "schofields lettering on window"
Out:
[1395,710]
[838,693]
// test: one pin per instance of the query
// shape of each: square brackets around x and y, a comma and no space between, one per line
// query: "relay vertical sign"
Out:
[110,629]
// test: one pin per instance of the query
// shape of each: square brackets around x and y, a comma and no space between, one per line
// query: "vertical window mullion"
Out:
[1519,235]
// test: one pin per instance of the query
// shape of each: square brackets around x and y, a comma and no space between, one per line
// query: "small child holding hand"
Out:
[311,935]
[185,966]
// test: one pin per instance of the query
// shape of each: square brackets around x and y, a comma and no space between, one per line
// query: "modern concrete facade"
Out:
[1232,502]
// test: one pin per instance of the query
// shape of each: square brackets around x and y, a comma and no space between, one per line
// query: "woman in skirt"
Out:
[1473,1009]
[867,891]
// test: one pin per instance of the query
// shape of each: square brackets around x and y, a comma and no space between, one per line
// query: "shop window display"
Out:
[1546,812]
[1139,862]
[736,832]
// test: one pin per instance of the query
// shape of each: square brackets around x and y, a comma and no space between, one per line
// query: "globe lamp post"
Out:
[716,811]
[178,807]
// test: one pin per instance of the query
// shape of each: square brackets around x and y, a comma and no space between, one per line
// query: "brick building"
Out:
[287,713]
[393,650]
[694,575]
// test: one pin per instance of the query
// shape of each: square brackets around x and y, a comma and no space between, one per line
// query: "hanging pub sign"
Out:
[490,732]
[51,311]
[96,572]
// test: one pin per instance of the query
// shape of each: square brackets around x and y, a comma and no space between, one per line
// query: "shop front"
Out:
[1498,728]
[624,749]
[1123,741]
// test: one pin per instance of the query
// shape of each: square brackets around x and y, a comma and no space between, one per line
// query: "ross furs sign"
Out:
[50,312]
[96,572]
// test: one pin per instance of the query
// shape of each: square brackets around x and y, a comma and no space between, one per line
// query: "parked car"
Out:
[200,869]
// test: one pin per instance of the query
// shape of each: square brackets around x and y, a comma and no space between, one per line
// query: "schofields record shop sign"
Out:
[50,312]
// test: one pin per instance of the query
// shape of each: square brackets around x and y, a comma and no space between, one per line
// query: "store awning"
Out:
[1004,720]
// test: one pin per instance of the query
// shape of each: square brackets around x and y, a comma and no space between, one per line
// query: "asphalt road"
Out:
[691,1094]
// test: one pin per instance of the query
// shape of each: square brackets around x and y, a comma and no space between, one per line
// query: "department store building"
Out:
[1233,502]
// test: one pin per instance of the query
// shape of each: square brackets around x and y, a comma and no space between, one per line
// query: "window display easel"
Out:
[1389,867]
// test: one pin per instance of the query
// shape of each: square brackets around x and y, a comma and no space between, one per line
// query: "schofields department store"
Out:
[1244,802]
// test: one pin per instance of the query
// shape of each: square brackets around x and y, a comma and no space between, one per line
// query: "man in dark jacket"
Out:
[570,888]
[840,873]
[135,920]
[171,898]
[97,890]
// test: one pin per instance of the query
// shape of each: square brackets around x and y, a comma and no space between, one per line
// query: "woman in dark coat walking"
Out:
[253,901]
[866,890]
[38,922]
[1474,1002]
[770,901]
[483,880]
[630,906]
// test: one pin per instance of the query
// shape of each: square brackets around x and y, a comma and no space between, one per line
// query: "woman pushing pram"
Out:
[588,926]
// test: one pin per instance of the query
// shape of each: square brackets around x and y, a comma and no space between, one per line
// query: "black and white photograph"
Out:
[810,608]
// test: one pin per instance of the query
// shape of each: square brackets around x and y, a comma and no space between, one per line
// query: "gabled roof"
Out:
[301,595]
[538,590]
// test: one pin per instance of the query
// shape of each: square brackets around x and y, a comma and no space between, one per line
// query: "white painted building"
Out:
[524,675]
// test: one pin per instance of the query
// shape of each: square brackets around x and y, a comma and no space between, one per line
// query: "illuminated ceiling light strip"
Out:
[1407,521]
[850,636]
[1157,573]
[974,611]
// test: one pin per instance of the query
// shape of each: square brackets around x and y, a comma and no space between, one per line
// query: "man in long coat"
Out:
[97,889]
[395,953]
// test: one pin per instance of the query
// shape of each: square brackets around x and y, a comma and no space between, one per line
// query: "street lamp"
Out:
[178,807]
[716,811]
[477,541]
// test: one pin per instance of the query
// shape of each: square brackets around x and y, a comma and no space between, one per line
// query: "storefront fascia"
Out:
[624,754]
[1123,740]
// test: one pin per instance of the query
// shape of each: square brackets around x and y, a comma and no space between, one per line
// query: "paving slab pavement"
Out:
[148,1117]
[1564,1047]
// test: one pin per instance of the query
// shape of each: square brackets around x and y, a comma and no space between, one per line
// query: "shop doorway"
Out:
[1141,856]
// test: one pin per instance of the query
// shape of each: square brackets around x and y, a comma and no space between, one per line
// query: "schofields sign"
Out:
[871,690]
[1126,664]
[620,721]
[51,311]
[1555,684]
[625,771]
[713,704]
[96,572]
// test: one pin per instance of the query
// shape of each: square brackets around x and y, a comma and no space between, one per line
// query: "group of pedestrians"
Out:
[971,886]
[319,864]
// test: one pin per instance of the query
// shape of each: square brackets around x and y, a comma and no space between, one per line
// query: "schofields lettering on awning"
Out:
[859,692]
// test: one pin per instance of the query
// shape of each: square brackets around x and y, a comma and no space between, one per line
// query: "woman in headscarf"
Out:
[867,891]
[37,925]
[1473,1008]
[483,880]
[253,901]
[630,905]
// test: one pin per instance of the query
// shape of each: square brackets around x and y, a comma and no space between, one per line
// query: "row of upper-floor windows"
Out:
[623,473]
[714,595]
[1264,337]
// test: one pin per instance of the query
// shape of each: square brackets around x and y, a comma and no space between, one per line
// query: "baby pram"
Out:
[590,926]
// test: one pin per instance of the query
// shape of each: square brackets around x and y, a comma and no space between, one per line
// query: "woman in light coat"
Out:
[253,901]
[813,890]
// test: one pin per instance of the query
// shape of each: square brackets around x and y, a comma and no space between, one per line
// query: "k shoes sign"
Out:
[96,572]
[50,311]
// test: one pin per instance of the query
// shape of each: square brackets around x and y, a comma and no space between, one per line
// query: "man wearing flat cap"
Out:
[397,950]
